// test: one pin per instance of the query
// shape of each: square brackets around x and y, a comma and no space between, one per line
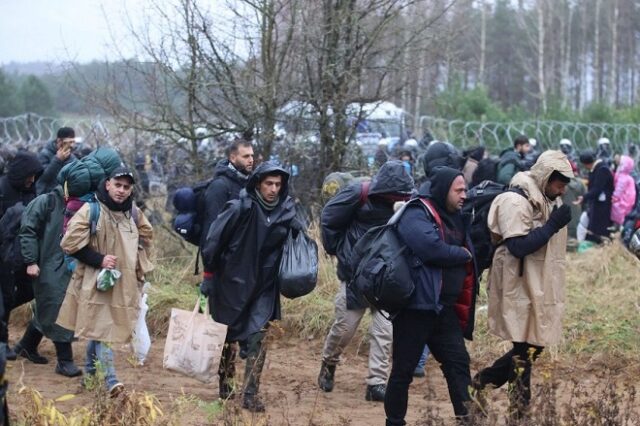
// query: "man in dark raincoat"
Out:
[345,219]
[40,245]
[241,257]
[17,186]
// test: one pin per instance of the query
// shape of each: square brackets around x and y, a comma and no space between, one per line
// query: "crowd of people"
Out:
[71,229]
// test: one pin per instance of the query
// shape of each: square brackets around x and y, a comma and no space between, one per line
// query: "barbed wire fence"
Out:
[500,135]
[31,130]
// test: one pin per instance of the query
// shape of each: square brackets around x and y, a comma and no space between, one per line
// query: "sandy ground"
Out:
[288,385]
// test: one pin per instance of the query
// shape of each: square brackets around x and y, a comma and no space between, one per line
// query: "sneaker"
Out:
[375,392]
[116,390]
[418,372]
[32,356]
[67,369]
[253,403]
[326,377]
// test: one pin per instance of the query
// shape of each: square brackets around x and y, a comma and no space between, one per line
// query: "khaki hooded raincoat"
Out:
[528,306]
[107,316]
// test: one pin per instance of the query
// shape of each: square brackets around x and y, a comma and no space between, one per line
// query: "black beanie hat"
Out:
[66,132]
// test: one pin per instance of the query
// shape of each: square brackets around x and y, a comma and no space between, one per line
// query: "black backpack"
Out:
[382,263]
[10,252]
[477,205]
[189,202]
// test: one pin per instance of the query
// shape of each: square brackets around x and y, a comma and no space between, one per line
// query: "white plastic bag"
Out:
[194,344]
[141,341]
[581,231]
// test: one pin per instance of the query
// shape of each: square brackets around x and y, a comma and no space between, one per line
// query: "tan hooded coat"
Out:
[108,316]
[528,308]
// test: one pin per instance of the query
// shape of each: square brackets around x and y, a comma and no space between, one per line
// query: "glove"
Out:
[206,285]
[560,217]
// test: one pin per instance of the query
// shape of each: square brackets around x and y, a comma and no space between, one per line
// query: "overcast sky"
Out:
[61,30]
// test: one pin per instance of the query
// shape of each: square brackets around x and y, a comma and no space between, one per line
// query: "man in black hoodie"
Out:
[241,258]
[345,219]
[18,186]
[441,311]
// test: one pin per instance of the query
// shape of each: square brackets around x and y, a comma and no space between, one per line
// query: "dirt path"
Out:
[289,386]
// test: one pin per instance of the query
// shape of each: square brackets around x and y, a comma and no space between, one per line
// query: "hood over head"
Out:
[23,165]
[548,162]
[626,165]
[392,178]
[440,154]
[264,169]
[441,181]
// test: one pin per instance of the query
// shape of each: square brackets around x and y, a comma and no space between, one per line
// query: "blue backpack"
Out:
[189,202]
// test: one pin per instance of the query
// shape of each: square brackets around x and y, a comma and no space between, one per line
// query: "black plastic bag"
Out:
[299,266]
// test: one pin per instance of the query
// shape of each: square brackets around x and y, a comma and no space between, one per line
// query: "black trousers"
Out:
[412,329]
[513,367]
[16,290]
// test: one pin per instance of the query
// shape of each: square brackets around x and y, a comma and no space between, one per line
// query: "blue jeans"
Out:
[101,352]
[423,358]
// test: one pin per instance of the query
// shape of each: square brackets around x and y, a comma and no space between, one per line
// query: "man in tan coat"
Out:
[527,276]
[118,240]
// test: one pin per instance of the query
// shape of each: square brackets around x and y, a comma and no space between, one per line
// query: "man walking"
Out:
[598,198]
[119,241]
[17,186]
[230,176]
[527,277]
[40,246]
[440,313]
[345,219]
[241,257]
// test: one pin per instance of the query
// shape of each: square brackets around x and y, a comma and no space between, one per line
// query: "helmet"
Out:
[565,142]
[411,144]
[440,154]
[603,141]
[566,146]
[533,142]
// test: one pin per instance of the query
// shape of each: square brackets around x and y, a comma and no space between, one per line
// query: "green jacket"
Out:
[40,235]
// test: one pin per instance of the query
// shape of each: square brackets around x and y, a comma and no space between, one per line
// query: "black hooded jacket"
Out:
[242,251]
[226,185]
[12,189]
[346,218]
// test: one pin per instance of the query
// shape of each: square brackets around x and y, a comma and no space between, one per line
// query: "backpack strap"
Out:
[94,215]
[434,214]
[364,192]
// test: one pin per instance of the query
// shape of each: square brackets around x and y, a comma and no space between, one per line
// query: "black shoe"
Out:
[325,378]
[375,392]
[253,403]
[32,356]
[68,369]
[11,354]
[226,390]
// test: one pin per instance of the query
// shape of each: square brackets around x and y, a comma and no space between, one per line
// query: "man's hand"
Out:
[33,270]
[469,253]
[578,200]
[64,152]
[109,262]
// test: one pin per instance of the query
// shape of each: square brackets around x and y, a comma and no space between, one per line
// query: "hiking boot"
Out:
[31,355]
[325,378]
[11,354]
[375,392]
[253,403]
[68,369]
